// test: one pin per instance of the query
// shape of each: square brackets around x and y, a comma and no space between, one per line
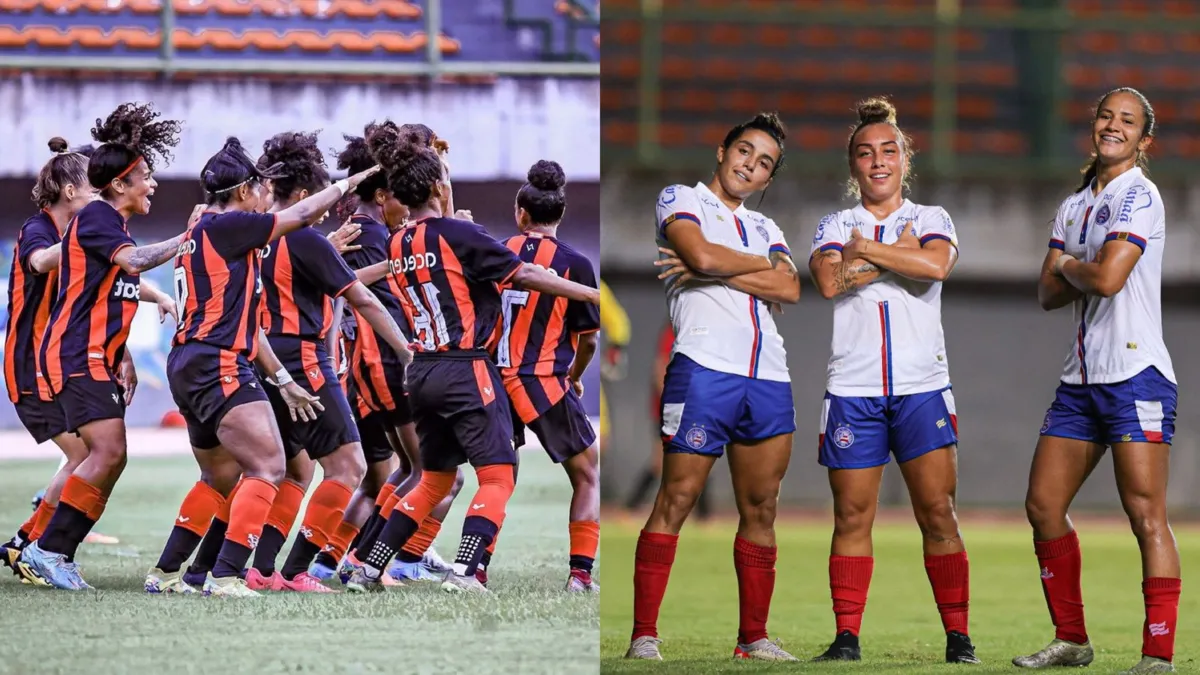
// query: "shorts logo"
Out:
[696,437]
[763,231]
[1103,214]
[1045,424]
[941,424]
[843,437]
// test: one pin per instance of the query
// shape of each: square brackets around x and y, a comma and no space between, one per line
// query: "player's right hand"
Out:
[197,211]
[907,238]
[359,177]
[341,237]
[302,405]
[676,267]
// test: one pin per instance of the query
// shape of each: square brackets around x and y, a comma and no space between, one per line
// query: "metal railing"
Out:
[433,65]
[944,17]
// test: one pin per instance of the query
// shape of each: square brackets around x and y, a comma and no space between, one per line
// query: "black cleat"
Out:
[959,648]
[844,648]
[9,552]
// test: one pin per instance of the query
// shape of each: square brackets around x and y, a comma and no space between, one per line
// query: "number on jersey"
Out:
[181,295]
[429,325]
[508,299]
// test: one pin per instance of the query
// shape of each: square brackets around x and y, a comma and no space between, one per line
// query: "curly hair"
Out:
[543,196]
[879,110]
[300,160]
[768,123]
[64,168]
[130,133]
[355,158]
[411,165]
[231,168]
[428,137]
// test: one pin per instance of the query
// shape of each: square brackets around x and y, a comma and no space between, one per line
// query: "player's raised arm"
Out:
[309,210]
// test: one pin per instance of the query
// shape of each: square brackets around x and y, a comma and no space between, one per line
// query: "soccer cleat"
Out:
[195,578]
[255,580]
[959,648]
[455,583]
[228,587]
[361,582]
[481,575]
[1058,653]
[844,648]
[158,581]
[414,571]
[434,562]
[304,583]
[1150,664]
[42,568]
[347,566]
[321,572]
[9,552]
[581,582]
[644,648]
[763,650]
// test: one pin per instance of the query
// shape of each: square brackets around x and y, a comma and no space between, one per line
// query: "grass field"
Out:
[529,625]
[901,629]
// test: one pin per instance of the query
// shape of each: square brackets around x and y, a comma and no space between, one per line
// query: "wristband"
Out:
[1061,262]
[283,377]
[343,186]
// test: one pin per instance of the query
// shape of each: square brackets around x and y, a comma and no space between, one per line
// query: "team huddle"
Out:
[888,392]
[404,344]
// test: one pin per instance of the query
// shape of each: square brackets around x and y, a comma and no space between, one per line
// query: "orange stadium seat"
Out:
[136,38]
[358,9]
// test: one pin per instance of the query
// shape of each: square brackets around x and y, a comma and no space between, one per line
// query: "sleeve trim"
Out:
[112,258]
[935,237]
[780,248]
[1127,236]
[345,288]
[1058,244]
[509,274]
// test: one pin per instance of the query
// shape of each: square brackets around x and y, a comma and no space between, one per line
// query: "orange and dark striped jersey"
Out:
[96,301]
[30,296]
[217,281]
[302,273]
[540,332]
[445,272]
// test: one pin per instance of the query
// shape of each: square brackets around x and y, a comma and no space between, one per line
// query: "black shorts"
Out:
[42,419]
[206,383]
[310,366]
[83,400]
[564,430]
[379,379]
[461,411]
[372,429]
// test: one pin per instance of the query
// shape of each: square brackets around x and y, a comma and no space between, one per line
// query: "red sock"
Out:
[651,571]
[755,567]
[849,581]
[1162,609]
[286,507]
[950,576]
[346,532]
[423,538]
[1061,563]
[41,518]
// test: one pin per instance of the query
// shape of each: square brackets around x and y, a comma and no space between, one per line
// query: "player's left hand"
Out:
[464,214]
[166,306]
[127,378]
[676,267]
[856,247]
[341,237]
[577,385]
[302,405]
[908,238]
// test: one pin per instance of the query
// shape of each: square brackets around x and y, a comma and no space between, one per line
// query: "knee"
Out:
[1042,512]
[852,518]
[758,508]
[457,486]
[675,501]
[347,466]
[1147,518]
[298,470]
[273,469]
[937,516]
[221,478]
[111,456]
[585,475]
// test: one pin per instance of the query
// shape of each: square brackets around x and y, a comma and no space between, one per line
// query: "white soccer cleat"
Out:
[644,648]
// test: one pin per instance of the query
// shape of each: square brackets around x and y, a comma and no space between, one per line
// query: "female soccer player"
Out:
[728,384]
[61,190]
[82,355]
[546,344]
[303,274]
[445,272]
[888,388]
[1118,387]
[218,392]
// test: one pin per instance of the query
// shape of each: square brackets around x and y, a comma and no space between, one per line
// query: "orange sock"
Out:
[496,486]
[98,509]
[325,511]
[26,528]
[420,542]
[385,493]
[286,507]
[198,508]
[492,546]
[390,503]
[248,511]
[41,518]
[585,538]
[340,541]
[81,496]
[223,512]
[429,492]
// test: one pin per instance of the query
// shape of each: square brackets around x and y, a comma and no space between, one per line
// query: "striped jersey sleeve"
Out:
[935,224]
[1139,218]
[676,203]
[829,235]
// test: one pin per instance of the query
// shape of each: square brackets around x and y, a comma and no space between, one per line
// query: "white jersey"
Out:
[716,326]
[887,335]
[1121,336]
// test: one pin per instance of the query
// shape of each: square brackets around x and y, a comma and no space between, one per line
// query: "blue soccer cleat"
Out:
[411,571]
[321,572]
[43,568]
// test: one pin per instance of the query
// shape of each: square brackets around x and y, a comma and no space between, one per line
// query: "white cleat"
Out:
[461,584]
[1150,664]
[1058,653]
[763,650]
[434,562]
[158,581]
[644,648]
[228,587]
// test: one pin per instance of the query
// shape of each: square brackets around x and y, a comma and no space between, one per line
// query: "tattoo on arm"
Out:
[153,255]
[783,262]
[845,274]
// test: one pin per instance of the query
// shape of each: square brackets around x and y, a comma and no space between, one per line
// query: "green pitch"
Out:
[529,625]
[901,629]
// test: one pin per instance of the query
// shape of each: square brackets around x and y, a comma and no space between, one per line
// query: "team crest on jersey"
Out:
[1045,424]
[1103,215]
[843,437]
[763,231]
[696,437]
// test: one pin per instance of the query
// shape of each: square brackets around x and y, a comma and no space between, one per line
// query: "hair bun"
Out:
[58,144]
[876,110]
[547,176]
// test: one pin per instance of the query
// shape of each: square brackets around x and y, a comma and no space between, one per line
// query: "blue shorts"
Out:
[863,431]
[1138,410]
[703,410]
